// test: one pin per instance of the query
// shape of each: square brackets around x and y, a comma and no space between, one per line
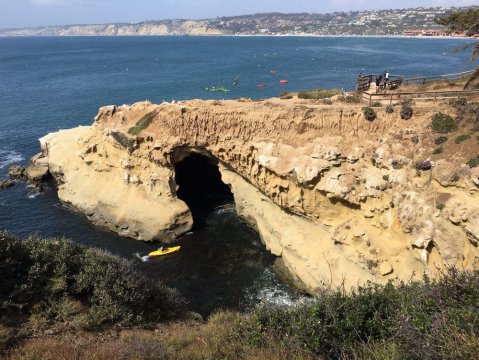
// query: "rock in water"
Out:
[17,172]
[37,170]
[6,183]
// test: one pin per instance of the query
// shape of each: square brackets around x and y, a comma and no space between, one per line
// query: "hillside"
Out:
[376,22]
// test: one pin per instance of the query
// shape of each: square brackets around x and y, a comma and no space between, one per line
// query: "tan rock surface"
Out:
[337,197]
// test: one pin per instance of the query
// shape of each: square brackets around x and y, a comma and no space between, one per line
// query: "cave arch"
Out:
[200,185]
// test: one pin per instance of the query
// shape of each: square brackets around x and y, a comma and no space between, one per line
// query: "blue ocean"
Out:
[51,83]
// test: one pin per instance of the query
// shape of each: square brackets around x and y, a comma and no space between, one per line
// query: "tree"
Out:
[465,21]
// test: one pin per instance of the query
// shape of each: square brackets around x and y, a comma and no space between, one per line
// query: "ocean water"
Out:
[52,83]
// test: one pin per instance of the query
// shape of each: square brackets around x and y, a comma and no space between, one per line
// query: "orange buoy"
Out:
[283,81]
[261,85]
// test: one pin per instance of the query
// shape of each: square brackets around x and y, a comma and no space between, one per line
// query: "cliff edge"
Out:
[340,199]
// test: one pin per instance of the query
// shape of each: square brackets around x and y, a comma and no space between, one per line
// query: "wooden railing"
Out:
[426,79]
[370,98]
[363,82]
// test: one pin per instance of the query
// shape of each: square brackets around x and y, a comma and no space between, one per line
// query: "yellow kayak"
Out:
[165,251]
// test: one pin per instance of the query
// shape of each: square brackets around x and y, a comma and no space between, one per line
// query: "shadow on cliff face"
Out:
[200,186]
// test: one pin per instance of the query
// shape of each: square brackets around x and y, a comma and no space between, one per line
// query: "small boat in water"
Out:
[274,72]
[217,89]
[283,81]
[165,251]
[261,85]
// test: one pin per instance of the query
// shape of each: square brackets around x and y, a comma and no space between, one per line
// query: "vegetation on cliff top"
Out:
[369,113]
[142,124]
[84,287]
[317,94]
[406,112]
[431,320]
[76,286]
[443,124]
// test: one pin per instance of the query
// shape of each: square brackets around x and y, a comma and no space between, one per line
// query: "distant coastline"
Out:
[415,22]
[255,35]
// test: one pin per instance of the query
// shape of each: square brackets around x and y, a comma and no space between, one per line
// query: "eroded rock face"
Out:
[337,197]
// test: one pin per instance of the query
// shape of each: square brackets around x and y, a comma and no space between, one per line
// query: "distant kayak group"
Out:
[274,72]
[222,88]
[235,82]
[217,89]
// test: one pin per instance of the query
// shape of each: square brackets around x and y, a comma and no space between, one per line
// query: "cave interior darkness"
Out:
[200,186]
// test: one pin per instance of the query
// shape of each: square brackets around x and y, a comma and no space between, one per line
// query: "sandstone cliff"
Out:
[337,197]
[168,27]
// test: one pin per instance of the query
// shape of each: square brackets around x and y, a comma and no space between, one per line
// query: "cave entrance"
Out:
[200,186]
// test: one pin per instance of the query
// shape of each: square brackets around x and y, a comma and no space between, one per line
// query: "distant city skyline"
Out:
[29,13]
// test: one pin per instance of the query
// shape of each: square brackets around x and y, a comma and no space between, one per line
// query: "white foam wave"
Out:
[223,209]
[276,297]
[142,258]
[269,291]
[9,157]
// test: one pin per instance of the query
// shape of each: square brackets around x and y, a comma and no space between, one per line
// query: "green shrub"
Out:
[438,151]
[337,325]
[352,99]
[474,162]
[122,140]
[369,113]
[323,330]
[57,279]
[376,104]
[443,124]
[142,124]
[440,140]
[319,93]
[285,95]
[440,206]
[389,109]
[406,112]
[462,138]
[386,177]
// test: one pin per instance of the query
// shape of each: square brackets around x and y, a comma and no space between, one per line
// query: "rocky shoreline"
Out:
[340,199]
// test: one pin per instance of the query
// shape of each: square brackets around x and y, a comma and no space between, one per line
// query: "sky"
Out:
[25,13]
